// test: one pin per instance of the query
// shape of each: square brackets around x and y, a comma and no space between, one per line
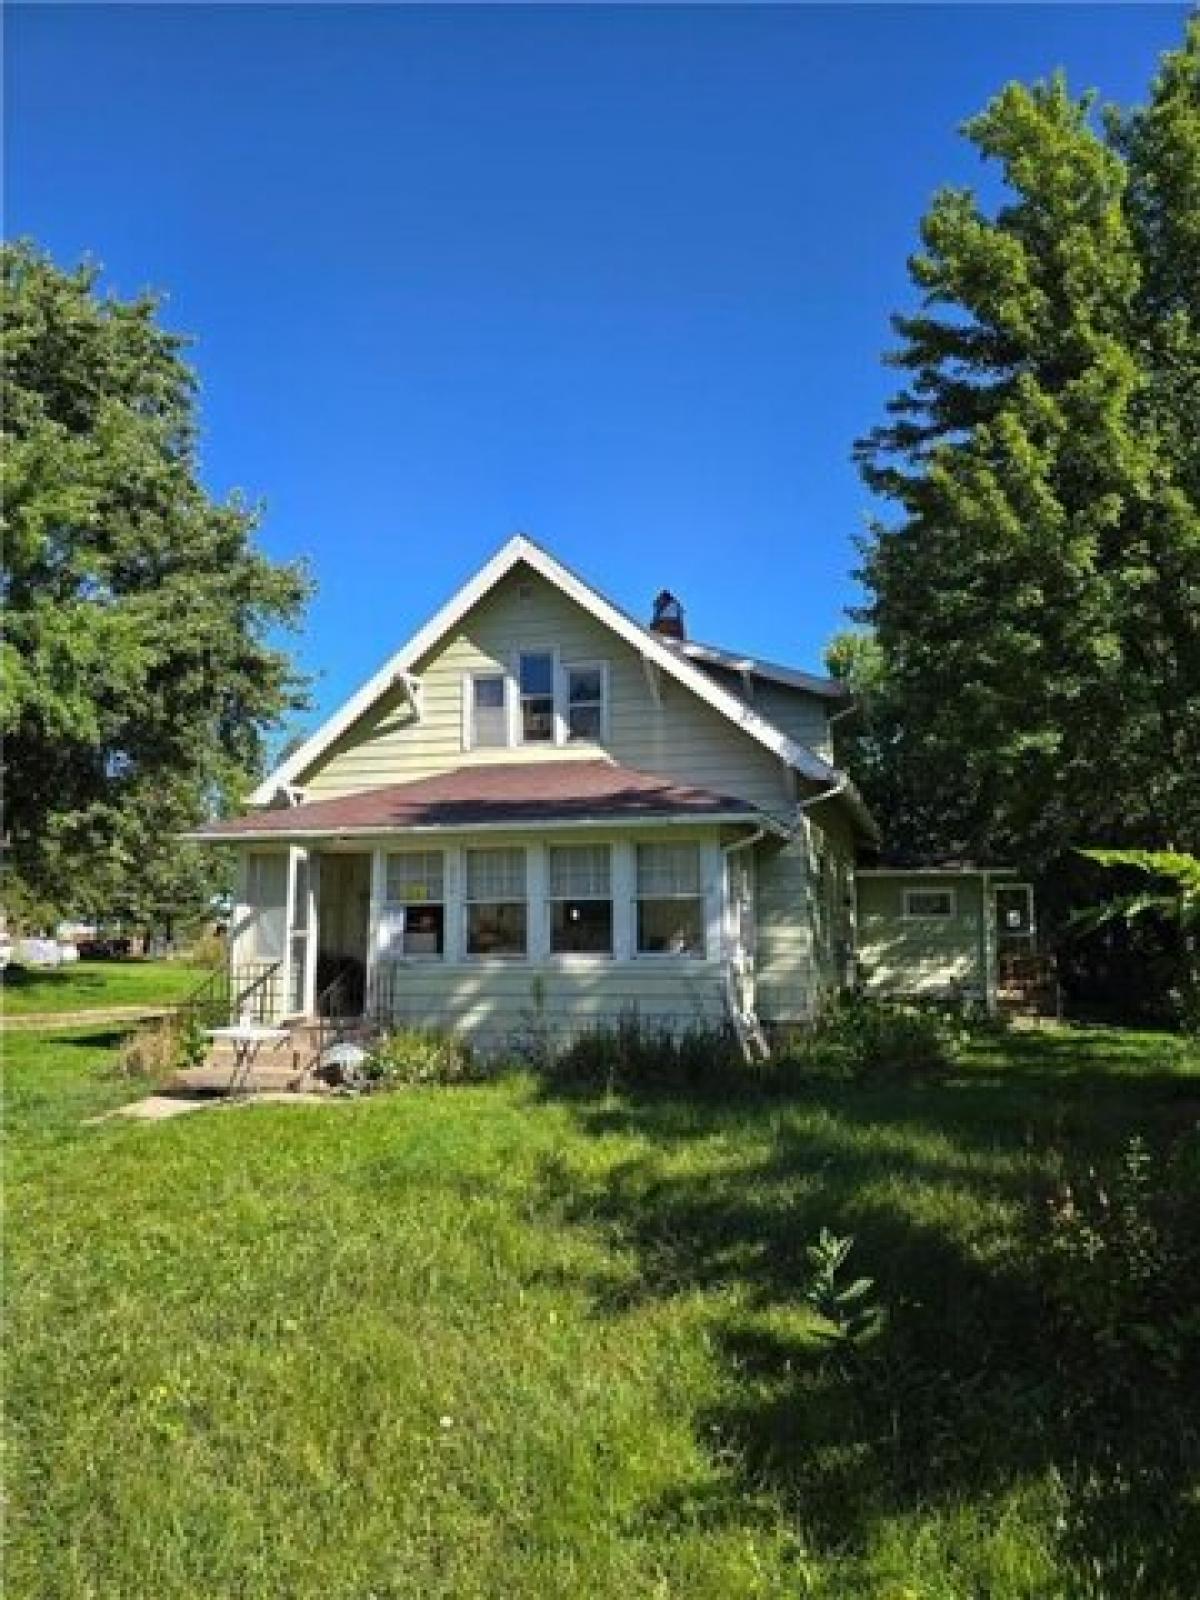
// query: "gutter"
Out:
[532,825]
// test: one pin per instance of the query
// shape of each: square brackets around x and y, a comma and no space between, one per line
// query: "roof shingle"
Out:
[506,793]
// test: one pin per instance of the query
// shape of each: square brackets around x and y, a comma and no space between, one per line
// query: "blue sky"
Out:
[617,277]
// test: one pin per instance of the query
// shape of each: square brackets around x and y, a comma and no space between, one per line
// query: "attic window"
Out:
[537,697]
[929,905]
[585,683]
[488,726]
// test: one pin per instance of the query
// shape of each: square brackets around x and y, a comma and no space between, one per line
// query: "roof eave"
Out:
[375,830]
[649,644]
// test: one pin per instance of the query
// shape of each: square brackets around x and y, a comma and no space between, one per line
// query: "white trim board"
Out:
[643,640]
[596,824]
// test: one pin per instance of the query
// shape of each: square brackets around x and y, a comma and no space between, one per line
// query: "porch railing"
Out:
[252,992]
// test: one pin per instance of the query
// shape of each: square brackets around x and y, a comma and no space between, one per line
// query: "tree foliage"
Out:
[1170,892]
[1033,678]
[138,679]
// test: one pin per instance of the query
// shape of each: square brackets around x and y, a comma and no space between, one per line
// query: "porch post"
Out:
[310,949]
[374,918]
[239,912]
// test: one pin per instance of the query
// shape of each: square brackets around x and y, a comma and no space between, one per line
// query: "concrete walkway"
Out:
[162,1107]
[82,1019]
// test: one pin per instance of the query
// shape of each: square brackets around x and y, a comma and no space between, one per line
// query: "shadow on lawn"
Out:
[967,1391]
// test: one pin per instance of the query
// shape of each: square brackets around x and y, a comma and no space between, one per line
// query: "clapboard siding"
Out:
[804,919]
[682,738]
[899,956]
[802,716]
[501,1004]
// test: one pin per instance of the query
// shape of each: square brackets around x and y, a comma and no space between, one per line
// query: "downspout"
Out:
[831,793]
[825,794]
[744,1023]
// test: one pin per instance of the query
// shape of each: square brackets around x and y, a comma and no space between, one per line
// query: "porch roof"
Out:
[509,794]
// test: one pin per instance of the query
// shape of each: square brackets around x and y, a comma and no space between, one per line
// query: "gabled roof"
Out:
[505,795]
[649,645]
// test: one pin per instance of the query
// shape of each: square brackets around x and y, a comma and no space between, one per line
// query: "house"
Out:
[542,808]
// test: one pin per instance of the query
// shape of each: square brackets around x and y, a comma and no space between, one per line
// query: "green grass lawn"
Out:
[492,1342]
[89,985]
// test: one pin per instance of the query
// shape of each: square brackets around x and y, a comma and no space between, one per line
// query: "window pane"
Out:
[415,875]
[496,930]
[671,927]
[584,684]
[581,927]
[580,871]
[488,721]
[495,874]
[537,697]
[424,930]
[929,903]
[537,674]
[537,720]
[584,722]
[664,869]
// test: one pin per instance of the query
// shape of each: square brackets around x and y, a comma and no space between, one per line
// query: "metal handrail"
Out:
[220,999]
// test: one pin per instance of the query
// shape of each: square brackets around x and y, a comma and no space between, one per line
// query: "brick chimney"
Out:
[668,616]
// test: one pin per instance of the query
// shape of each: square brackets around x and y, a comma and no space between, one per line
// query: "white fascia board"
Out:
[792,677]
[643,640]
[599,822]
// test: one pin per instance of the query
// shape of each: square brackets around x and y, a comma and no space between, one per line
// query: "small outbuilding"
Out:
[945,932]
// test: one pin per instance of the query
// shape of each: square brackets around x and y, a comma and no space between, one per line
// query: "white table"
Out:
[247,1039]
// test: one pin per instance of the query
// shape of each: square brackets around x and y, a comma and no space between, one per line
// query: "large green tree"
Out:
[138,674]
[1034,596]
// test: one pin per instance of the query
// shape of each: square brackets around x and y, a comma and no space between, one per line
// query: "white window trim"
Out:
[909,915]
[564,699]
[510,673]
[516,734]
[538,954]
[531,952]
[710,896]
[468,705]
[582,958]
[387,905]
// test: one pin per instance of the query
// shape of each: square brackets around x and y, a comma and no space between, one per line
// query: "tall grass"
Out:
[494,1341]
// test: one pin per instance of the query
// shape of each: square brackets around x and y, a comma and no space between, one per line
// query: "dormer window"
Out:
[536,682]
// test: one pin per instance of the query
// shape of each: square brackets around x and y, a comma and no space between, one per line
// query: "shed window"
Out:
[670,900]
[581,913]
[414,909]
[497,910]
[929,905]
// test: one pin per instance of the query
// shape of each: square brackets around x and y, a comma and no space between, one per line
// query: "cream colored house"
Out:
[543,809]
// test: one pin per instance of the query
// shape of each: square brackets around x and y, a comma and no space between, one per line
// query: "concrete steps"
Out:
[286,1064]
